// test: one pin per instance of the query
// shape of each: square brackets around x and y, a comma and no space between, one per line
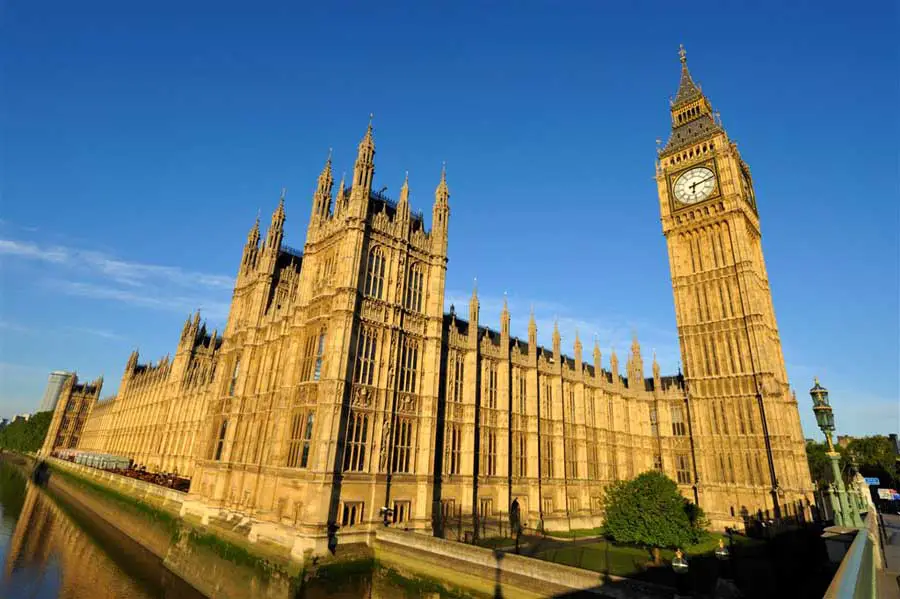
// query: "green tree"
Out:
[820,463]
[875,457]
[649,511]
[24,436]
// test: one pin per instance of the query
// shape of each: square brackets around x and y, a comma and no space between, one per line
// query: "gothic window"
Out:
[234,376]
[364,371]
[593,471]
[751,422]
[683,468]
[489,453]
[654,423]
[320,353]
[742,426]
[409,360]
[491,368]
[571,459]
[546,457]
[301,437]
[546,399]
[522,395]
[402,445]
[352,513]
[415,286]
[458,374]
[454,435]
[375,273]
[519,454]
[722,468]
[220,441]
[357,442]
[547,505]
[570,405]
[401,511]
[487,507]
[678,427]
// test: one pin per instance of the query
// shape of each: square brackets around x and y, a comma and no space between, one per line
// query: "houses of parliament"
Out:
[340,386]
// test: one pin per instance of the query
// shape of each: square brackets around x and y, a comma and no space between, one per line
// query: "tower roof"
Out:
[687,89]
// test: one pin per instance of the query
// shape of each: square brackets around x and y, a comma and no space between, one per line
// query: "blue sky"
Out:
[138,143]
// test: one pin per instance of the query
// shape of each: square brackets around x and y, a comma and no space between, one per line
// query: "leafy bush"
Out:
[648,510]
[24,436]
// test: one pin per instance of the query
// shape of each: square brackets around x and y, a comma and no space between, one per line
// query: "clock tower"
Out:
[749,450]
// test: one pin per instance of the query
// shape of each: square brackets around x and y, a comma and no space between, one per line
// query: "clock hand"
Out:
[694,185]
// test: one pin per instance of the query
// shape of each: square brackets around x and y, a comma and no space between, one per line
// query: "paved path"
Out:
[888,583]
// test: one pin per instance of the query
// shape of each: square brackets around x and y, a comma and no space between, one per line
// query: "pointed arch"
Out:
[375,267]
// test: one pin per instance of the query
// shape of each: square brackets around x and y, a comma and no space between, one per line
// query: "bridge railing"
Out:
[857,575]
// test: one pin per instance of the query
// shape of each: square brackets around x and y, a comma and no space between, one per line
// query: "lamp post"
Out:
[845,515]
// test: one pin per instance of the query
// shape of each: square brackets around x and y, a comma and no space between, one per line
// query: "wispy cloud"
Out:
[14,327]
[105,277]
[95,332]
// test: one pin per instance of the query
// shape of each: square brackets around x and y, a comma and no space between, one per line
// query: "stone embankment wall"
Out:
[219,560]
[482,570]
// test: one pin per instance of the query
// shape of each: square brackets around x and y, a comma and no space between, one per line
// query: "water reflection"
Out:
[51,549]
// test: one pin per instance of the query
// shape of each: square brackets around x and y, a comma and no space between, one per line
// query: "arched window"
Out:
[375,273]
[415,285]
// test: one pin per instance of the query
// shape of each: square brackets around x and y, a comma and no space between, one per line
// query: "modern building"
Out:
[55,383]
[340,387]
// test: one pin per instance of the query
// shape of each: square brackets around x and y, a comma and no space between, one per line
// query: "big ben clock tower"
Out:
[749,450]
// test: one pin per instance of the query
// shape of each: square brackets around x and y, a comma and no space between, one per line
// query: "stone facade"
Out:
[71,414]
[340,386]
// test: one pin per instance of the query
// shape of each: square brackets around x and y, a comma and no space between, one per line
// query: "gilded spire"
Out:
[687,89]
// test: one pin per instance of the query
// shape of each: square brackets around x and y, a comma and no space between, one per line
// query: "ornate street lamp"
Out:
[845,515]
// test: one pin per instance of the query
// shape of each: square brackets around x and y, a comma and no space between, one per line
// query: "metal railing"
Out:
[858,573]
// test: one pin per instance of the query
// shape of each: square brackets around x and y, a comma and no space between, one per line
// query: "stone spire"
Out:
[614,365]
[556,340]
[578,351]
[504,319]
[473,314]
[692,116]
[656,376]
[598,358]
[322,197]
[532,333]
[276,230]
[364,169]
[340,199]
[403,203]
[440,212]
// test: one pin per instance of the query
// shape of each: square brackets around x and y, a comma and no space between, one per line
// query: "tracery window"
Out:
[679,429]
[234,376]
[301,437]
[409,360]
[402,445]
[519,454]
[220,441]
[458,377]
[375,273]
[654,423]
[415,287]
[546,457]
[454,437]
[489,453]
[571,459]
[364,371]
[683,468]
[357,442]
[491,368]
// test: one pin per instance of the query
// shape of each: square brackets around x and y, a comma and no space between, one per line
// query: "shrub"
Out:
[649,511]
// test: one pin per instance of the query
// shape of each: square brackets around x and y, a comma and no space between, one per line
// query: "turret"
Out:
[403,203]
[578,349]
[321,207]
[340,201]
[598,359]
[532,335]
[504,323]
[473,315]
[657,379]
[251,249]
[614,366]
[556,341]
[363,173]
[635,363]
[276,230]
[440,212]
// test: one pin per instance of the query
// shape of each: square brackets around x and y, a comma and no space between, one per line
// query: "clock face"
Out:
[694,185]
